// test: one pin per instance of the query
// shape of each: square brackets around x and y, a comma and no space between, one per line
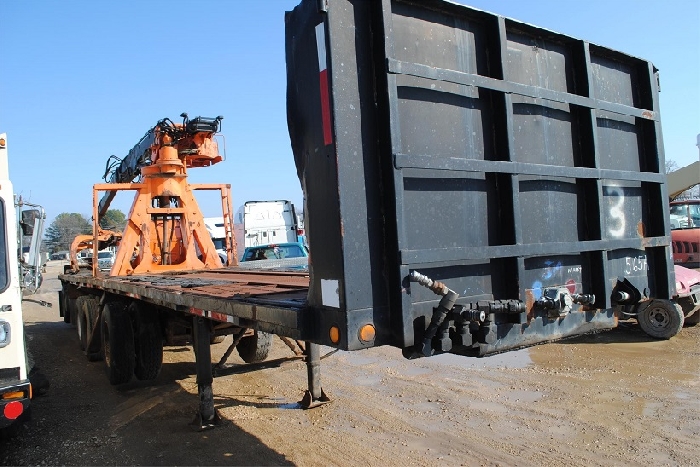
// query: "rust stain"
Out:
[648,114]
[529,303]
[641,229]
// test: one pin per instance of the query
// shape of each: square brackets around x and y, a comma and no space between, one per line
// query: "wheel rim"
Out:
[659,318]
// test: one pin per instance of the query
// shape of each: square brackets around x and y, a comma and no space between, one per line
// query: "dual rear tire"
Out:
[132,342]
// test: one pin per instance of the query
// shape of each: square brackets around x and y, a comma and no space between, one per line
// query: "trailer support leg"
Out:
[314,395]
[207,415]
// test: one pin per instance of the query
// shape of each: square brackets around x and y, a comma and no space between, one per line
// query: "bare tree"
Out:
[671,166]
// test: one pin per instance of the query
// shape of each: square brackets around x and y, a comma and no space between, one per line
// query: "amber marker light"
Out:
[13,395]
[334,334]
[367,333]
[2,142]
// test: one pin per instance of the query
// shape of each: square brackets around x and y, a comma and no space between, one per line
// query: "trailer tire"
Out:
[63,307]
[72,310]
[81,322]
[148,342]
[117,343]
[692,320]
[87,311]
[662,319]
[254,349]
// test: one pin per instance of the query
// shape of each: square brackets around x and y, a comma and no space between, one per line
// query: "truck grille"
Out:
[686,247]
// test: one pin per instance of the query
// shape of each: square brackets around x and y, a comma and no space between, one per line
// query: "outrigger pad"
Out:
[309,403]
[199,424]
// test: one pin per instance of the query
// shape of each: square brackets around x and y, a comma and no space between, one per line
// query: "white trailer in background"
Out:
[267,222]
[217,231]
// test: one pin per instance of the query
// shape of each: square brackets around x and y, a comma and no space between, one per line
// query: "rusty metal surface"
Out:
[227,283]
[275,300]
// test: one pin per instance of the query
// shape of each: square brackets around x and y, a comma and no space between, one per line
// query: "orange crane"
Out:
[165,230]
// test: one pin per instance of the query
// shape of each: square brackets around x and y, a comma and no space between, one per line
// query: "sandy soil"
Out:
[606,399]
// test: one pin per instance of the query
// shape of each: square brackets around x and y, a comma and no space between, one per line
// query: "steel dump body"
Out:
[494,156]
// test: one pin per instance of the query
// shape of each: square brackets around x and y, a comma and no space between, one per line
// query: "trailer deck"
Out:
[275,300]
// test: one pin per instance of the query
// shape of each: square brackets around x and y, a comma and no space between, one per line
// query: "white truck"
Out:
[217,231]
[267,222]
[18,277]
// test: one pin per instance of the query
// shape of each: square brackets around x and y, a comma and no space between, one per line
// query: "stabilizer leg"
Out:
[314,396]
[207,416]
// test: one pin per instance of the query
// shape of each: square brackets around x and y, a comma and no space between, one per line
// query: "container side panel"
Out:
[553,271]
[495,156]
[438,39]
[618,141]
[622,210]
[536,62]
[613,80]
[543,132]
[444,119]
[549,210]
[456,217]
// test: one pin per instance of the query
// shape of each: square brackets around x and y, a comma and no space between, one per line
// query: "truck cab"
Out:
[15,387]
[685,232]
[215,227]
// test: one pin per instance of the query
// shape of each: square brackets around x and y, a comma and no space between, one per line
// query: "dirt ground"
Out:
[606,399]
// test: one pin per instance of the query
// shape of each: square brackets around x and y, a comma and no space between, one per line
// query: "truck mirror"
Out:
[27,222]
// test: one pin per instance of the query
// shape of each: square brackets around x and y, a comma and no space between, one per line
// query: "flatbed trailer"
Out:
[271,301]
[472,185]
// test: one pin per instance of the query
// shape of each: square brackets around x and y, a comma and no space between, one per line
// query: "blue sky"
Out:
[81,80]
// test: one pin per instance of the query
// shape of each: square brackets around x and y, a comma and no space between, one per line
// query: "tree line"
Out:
[67,225]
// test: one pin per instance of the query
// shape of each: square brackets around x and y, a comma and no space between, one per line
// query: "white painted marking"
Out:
[329,293]
[321,46]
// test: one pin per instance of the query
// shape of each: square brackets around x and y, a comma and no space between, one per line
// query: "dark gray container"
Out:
[497,157]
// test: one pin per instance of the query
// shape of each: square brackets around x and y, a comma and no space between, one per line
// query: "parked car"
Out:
[293,255]
[60,255]
[105,259]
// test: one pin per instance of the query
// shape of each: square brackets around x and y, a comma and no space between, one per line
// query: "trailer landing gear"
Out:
[314,396]
[207,416]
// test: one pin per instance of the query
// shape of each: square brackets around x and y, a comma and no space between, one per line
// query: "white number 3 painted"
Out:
[616,228]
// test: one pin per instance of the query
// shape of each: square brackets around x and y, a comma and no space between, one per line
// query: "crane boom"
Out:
[186,136]
[683,179]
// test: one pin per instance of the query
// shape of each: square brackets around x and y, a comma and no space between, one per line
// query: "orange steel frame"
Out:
[166,238]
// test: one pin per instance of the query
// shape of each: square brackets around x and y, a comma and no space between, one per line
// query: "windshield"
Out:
[685,216]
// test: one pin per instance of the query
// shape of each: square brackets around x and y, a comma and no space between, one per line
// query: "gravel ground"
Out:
[610,398]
